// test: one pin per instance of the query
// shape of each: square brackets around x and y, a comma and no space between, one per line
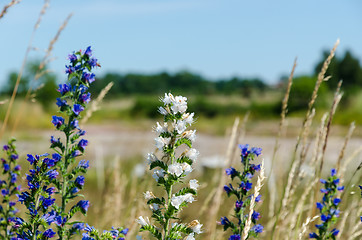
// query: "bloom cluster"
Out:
[328,208]
[175,143]
[9,189]
[242,193]
[55,180]
[115,234]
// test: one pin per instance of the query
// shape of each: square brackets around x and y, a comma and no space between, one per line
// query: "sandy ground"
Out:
[109,141]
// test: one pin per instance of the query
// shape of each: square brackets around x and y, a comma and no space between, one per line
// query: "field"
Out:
[229,159]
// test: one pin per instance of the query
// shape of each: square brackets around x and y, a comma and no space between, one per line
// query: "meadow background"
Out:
[232,66]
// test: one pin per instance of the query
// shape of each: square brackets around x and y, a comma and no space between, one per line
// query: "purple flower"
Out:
[230,171]
[244,149]
[257,228]
[333,172]
[258,198]
[13,157]
[76,153]
[256,151]
[84,205]
[6,167]
[313,235]
[88,51]
[61,103]
[228,189]
[49,233]
[319,205]
[47,202]
[69,69]
[14,177]
[72,57]
[85,98]
[336,201]
[77,109]
[88,77]
[58,121]
[12,204]
[56,157]
[4,192]
[83,164]
[79,181]
[239,204]
[82,144]
[17,168]
[235,237]
[31,159]
[224,221]
[93,62]
[52,174]
[6,147]
[63,88]
[255,215]
[335,232]
[74,124]
[49,217]
[246,186]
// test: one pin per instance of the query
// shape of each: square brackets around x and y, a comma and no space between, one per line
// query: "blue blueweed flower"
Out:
[172,168]
[328,208]
[9,189]
[241,192]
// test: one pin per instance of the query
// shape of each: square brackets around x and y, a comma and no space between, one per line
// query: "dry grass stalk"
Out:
[341,154]
[320,79]
[298,211]
[348,161]
[354,232]
[336,100]
[39,73]
[342,223]
[216,203]
[272,194]
[257,189]
[283,114]
[319,141]
[94,105]
[114,195]
[5,9]
[208,199]
[29,48]
[305,225]
[241,134]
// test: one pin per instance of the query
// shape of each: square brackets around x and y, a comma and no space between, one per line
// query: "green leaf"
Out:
[183,141]
[158,163]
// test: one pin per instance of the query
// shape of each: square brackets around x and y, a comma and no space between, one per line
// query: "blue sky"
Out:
[214,38]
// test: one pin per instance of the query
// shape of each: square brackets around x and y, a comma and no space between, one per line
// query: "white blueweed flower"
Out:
[176,201]
[192,154]
[175,169]
[161,142]
[190,237]
[191,134]
[142,221]
[157,174]
[151,158]
[179,105]
[186,168]
[161,129]
[155,207]
[188,118]
[195,226]
[188,197]
[162,111]
[179,126]
[168,99]
[193,184]
[148,195]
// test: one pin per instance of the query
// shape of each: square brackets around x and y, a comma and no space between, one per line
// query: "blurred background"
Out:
[231,59]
